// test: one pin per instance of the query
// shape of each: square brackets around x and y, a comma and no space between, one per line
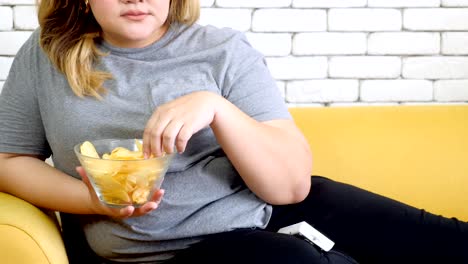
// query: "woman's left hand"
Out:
[174,123]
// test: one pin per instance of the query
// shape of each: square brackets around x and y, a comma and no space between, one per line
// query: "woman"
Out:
[129,69]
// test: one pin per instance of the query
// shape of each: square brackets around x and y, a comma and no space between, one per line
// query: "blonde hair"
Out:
[68,33]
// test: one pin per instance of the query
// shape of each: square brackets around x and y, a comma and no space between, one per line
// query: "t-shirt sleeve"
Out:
[21,129]
[249,84]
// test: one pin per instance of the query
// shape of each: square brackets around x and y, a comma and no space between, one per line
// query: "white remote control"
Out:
[310,234]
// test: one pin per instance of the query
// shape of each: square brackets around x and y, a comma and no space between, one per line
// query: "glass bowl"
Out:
[118,173]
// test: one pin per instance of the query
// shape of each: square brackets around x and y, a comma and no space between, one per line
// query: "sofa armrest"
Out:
[28,235]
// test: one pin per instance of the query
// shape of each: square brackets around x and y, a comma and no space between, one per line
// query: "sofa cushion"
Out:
[416,154]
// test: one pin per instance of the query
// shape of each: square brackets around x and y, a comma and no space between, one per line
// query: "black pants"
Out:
[371,229]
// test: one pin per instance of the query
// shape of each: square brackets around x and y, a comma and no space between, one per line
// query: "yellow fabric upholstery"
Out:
[28,235]
[415,154]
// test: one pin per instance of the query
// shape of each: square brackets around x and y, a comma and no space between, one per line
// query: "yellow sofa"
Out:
[416,154]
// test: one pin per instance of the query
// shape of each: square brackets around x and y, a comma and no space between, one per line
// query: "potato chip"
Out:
[88,149]
[140,195]
[139,145]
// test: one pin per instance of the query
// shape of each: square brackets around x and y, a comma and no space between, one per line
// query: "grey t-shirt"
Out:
[39,114]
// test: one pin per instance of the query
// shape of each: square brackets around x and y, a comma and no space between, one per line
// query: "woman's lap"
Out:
[257,246]
[375,229]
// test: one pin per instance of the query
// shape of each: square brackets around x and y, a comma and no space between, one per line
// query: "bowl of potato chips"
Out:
[118,171]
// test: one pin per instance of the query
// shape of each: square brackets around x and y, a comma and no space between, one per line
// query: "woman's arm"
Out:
[33,180]
[30,178]
[272,157]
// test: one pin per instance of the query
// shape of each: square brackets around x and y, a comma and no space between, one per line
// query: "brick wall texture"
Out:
[329,52]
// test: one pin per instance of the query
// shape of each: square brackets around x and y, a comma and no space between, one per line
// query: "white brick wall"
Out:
[328,43]
[15,40]
[364,19]
[396,90]
[328,3]
[455,43]
[436,19]
[17,2]
[298,20]
[5,65]
[451,90]
[404,3]
[434,68]
[323,91]
[456,3]
[253,3]
[404,43]
[329,52]
[25,17]
[365,67]
[6,15]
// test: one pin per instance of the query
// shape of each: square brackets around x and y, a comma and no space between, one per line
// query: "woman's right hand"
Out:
[129,211]
[173,123]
